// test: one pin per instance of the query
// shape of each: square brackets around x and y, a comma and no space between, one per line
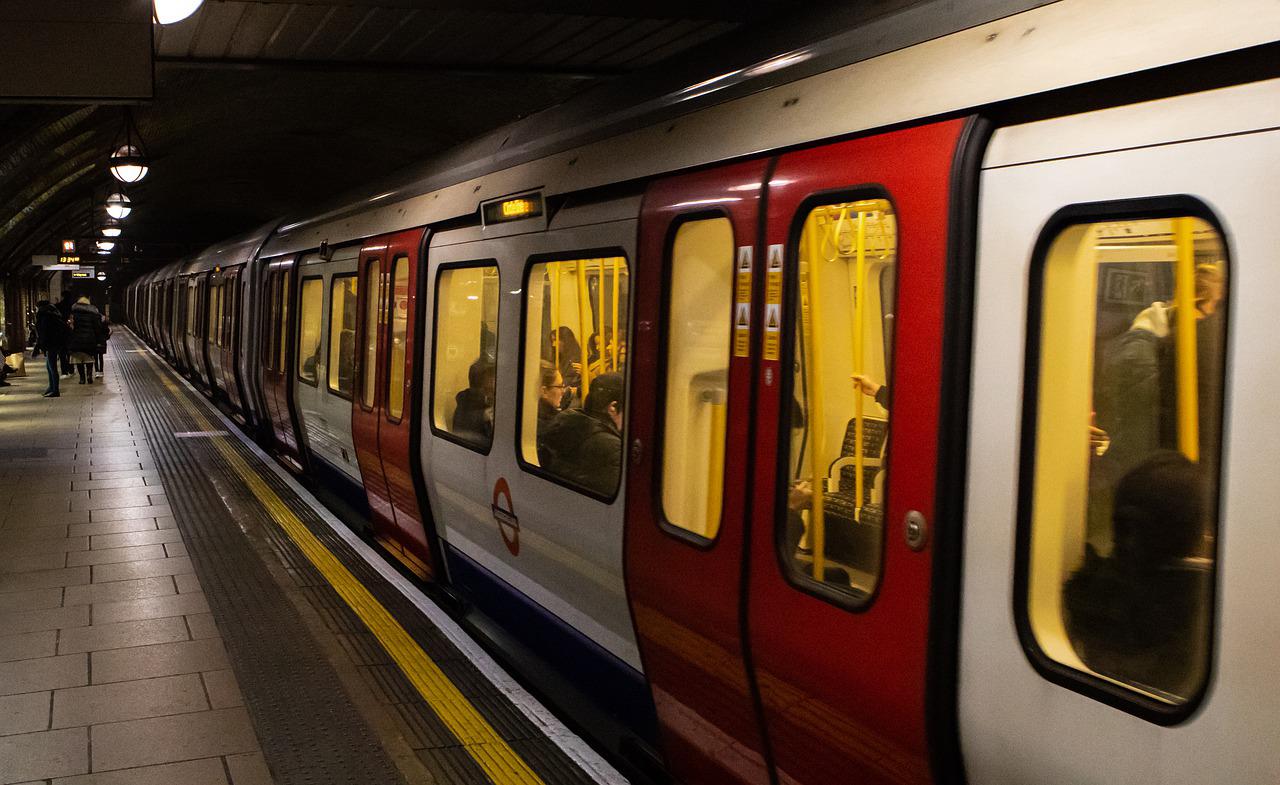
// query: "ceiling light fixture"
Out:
[166,12]
[110,229]
[118,205]
[128,162]
[105,245]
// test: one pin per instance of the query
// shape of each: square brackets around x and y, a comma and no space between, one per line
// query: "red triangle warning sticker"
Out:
[744,259]
[773,321]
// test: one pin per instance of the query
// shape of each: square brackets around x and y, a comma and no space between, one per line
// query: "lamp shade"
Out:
[106,245]
[128,165]
[169,11]
[118,205]
[111,231]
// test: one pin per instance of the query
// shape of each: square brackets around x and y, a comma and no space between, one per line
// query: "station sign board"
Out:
[82,273]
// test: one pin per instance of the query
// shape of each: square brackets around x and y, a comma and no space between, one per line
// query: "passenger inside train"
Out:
[464,382]
[840,419]
[1123,530]
[473,411]
[584,445]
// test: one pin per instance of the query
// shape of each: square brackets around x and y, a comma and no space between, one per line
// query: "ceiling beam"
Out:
[722,10]
[380,67]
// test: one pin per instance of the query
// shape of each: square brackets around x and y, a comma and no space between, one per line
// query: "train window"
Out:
[270,333]
[1116,546]
[286,281]
[372,304]
[832,532]
[573,391]
[698,329]
[211,324]
[310,328]
[464,375]
[342,334]
[399,334]
[191,308]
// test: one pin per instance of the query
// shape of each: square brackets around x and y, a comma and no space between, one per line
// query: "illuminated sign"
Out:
[82,273]
[68,246]
[102,276]
[69,259]
[516,208]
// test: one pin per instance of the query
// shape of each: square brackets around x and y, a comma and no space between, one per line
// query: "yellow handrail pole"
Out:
[715,465]
[555,309]
[604,347]
[1184,297]
[859,357]
[813,351]
[584,302]
[613,350]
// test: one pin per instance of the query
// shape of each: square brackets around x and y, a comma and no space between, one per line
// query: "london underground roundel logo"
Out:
[504,512]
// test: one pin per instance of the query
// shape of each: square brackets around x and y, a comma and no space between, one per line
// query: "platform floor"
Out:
[174,608]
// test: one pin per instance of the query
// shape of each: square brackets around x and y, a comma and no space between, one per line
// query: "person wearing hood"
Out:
[51,335]
[64,308]
[584,446]
[87,331]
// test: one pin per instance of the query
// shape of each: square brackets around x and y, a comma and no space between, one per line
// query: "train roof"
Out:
[240,249]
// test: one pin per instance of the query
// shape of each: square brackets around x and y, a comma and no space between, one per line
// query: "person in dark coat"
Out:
[550,395]
[87,330]
[51,334]
[102,345]
[584,446]
[64,307]
[473,415]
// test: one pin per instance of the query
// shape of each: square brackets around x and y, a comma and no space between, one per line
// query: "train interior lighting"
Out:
[466,348]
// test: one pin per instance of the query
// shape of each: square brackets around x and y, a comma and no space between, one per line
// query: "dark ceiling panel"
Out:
[302,21]
[256,27]
[217,25]
[694,33]
[425,27]
[398,35]
[372,27]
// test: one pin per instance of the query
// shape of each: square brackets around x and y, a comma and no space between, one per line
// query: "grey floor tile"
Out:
[113,501]
[25,713]
[129,513]
[46,673]
[28,645]
[45,545]
[12,535]
[122,634]
[172,549]
[55,753]
[103,573]
[34,620]
[187,583]
[119,591]
[167,739]
[25,519]
[112,527]
[13,565]
[30,600]
[166,522]
[134,538]
[116,482]
[150,608]
[128,700]
[202,626]
[207,771]
[118,474]
[41,579]
[224,690]
[97,469]
[161,659]
[116,555]
[249,769]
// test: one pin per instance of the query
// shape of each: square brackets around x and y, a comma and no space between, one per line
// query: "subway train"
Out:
[892,412]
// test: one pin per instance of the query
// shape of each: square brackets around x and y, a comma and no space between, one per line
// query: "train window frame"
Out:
[391,316]
[1115,695]
[529,468]
[370,268]
[429,412]
[270,320]
[328,340]
[673,530]
[297,334]
[845,600]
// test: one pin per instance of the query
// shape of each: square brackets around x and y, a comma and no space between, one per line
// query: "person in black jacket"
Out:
[87,330]
[473,414]
[584,446]
[550,395]
[51,335]
[64,308]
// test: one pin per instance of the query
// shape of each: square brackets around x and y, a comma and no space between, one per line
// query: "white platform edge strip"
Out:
[569,742]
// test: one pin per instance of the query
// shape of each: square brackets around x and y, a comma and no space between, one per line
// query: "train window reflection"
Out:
[573,390]
[399,334]
[282,346]
[1128,424]
[372,305]
[833,529]
[342,334]
[464,379]
[698,332]
[310,313]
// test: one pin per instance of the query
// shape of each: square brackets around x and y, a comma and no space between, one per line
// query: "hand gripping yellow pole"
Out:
[1184,297]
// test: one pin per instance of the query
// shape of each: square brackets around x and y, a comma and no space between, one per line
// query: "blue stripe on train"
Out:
[616,686]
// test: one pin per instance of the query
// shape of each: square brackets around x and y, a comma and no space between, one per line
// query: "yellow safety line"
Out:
[499,761]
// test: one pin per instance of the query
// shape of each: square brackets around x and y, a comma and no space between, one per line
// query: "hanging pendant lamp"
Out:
[128,161]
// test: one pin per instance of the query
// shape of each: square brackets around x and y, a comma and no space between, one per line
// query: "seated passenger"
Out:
[584,446]
[550,393]
[346,359]
[1134,616]
[473,417]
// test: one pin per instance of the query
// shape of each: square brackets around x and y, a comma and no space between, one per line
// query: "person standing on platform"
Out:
[87,331]
[64,308]
[102,345]
[51,334]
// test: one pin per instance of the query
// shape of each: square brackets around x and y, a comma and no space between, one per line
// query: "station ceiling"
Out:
[265,107]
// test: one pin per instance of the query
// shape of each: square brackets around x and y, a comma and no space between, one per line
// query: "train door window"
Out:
[573,390]
[399,334]
[215,315]
[372,306]
[698,331]
[342,334]
[271,333]
[831,534]
[1124,437]
[191,309]
[310,328]
[286,281]
[210,311]
[464,371]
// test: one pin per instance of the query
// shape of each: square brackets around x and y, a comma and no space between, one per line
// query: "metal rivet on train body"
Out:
[917,530]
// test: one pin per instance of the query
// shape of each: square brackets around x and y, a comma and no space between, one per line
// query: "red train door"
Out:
[843,491]
[687,493]
[277,358]
[387,403]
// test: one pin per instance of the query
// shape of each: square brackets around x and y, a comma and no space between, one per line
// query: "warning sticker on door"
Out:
[742,303]
[773,303]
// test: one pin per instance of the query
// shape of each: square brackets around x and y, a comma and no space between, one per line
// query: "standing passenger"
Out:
[550,395]
[102,344]
[51,332]
[64,308]
[86,331]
